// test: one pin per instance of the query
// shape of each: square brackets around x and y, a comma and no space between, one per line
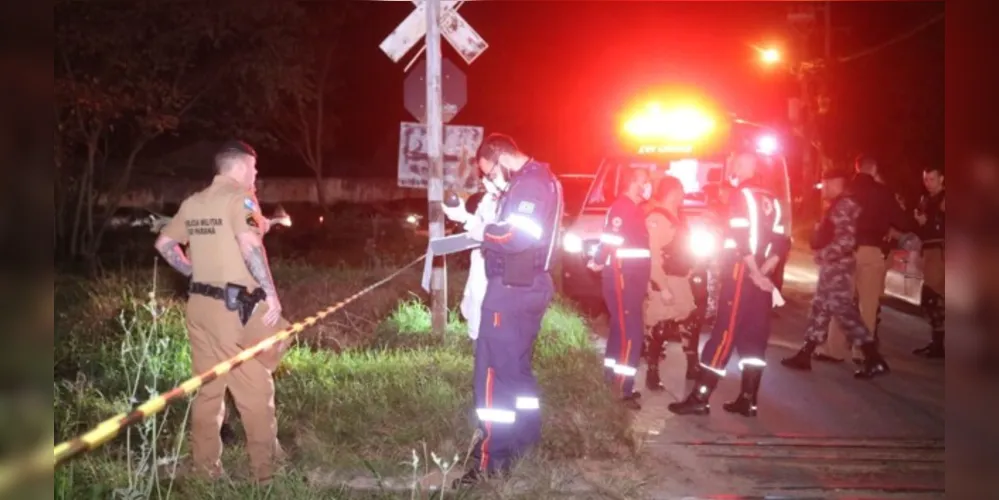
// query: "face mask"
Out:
[733,180]
[647,191]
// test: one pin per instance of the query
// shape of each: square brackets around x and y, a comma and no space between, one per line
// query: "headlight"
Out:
[702,242]
[412,219]
[572,243]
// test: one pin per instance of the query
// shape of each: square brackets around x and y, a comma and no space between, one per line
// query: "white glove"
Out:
[777,300]
[476,228]
[458,213]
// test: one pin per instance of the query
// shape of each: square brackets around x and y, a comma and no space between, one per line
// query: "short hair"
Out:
[866,164]
[934,168]
[667,185]
[629,175]
[231,152]
[495,145]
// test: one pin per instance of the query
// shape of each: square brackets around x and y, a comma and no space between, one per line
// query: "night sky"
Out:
[556,74]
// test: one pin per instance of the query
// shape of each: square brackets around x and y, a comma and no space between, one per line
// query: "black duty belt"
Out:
[235,297]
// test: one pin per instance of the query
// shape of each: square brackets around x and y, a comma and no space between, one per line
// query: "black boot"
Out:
[802,360]
[745,404]
[652,380]
[874,365]
[696,403]
[693,366]
[933,350]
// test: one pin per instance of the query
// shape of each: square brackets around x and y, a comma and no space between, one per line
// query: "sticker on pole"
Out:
[460,143]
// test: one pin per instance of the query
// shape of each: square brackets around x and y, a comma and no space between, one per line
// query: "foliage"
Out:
[394,402]
[128,74]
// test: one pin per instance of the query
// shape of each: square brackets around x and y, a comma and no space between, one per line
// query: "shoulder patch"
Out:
[526,207]
[616,222]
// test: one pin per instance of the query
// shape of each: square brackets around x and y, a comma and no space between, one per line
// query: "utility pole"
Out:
[435,185]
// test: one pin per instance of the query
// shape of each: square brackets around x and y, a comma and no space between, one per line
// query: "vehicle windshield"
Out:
[574,189]
[703,179]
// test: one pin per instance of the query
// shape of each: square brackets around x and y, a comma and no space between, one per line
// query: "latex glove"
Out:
[458,213]
[593,266]
[777,300]
[763,283]
[476,228]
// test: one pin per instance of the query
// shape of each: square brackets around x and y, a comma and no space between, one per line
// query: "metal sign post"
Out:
[435,185]
[433,18]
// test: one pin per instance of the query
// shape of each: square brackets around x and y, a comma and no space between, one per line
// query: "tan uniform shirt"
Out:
[209,221]
[661,233]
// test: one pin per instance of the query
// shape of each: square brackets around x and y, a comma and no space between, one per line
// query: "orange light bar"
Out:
[684,124]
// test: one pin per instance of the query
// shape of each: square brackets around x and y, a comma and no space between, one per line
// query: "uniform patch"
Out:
[526,207]
[249,204]
[616,222]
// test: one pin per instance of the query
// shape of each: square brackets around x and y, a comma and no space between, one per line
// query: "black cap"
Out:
[235,146]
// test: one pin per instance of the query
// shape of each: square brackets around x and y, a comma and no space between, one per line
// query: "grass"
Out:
[363,394]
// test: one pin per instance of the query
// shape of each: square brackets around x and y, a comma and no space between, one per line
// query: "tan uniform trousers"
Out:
[933,269]
[679,308]
[217,335]
[869,285]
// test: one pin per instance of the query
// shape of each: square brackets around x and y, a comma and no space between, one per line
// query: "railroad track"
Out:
[825,467]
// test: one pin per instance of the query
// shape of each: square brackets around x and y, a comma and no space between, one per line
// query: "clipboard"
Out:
[445,246]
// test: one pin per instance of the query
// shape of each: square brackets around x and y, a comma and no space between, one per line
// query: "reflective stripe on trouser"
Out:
[743,322]
[216,335]
[834,298]
[506,391]
[625,284]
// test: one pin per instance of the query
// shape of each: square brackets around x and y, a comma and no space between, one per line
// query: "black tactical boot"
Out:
[693,366]
[652,380]
[745,404]
[933,350]
[802,360]
[696,403]
[874,365]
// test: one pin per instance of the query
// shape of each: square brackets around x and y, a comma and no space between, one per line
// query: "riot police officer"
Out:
[755,242]
[623,257]
[930,217]
[518,251]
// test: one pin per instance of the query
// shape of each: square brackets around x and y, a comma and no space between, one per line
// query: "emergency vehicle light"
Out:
[766,144]
[683,125]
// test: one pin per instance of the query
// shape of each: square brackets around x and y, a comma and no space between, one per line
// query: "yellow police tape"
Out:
[10,474]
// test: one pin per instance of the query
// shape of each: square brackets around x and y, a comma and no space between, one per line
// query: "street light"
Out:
[770,56]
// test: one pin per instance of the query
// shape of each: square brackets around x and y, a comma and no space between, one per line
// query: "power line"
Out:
[896,39]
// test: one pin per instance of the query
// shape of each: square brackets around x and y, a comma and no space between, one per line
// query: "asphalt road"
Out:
[821,434]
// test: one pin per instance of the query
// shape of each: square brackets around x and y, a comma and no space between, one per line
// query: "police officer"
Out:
[623,257]
[930,217]
[834,243]
[233,304]
[518,251]
[881,215]
[754,243]
[670,310]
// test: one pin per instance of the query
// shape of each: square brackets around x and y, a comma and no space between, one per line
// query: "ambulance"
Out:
[694,144]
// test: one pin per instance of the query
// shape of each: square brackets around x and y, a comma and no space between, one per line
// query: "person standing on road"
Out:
[475,285]
[518,253]
[670,311]
[881,217]
[930,217]
[834,243]
[754,244]
[225,261]
[623,258]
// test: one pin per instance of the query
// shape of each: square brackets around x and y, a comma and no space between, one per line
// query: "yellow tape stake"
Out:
[11,474]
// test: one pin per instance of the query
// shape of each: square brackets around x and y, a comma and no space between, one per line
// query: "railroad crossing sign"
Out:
[465,40]
[454,91]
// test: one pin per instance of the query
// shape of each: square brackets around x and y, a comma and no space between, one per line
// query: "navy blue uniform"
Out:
[518,252]
[744,309]
[624,251]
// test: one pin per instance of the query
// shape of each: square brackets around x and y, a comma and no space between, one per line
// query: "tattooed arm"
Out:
[251,246]
[171,252]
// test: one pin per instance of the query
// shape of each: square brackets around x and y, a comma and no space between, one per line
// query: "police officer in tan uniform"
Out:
[233,304]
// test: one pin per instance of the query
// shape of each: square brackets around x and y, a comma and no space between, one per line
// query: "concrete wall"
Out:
[156,192]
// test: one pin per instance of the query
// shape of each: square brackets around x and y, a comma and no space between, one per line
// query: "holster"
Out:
[519,269]
[238,299]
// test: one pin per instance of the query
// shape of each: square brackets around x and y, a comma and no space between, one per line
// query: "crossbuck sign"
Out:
[465,40]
